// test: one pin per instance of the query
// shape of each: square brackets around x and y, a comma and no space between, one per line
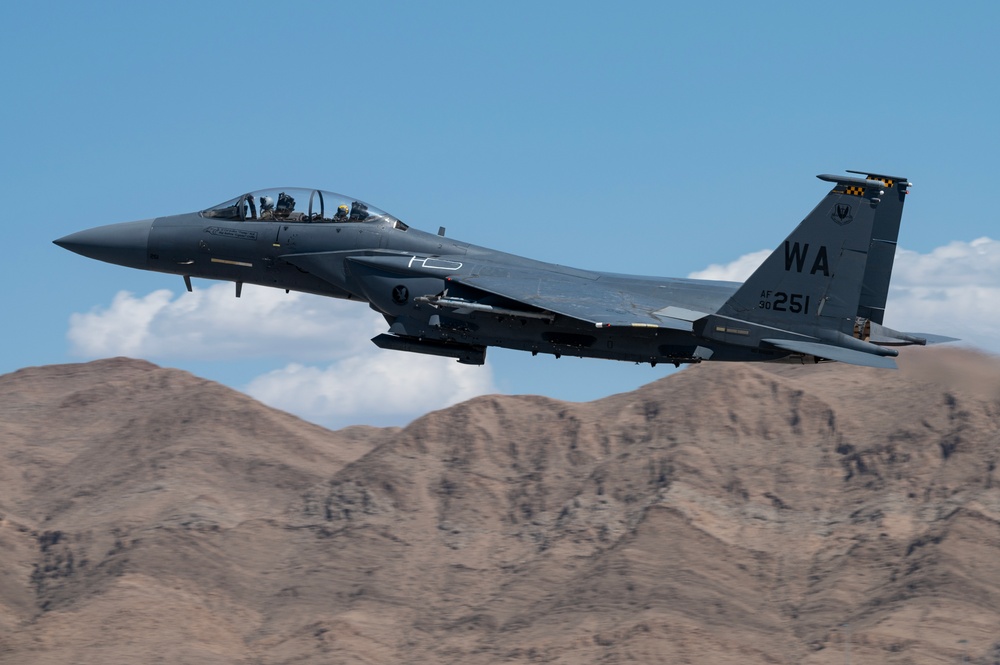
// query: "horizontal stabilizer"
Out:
[831,352]
[889,337]
[930,338]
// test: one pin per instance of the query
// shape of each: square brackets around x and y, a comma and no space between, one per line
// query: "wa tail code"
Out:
[796,254]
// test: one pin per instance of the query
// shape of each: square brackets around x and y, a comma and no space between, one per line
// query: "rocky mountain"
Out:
[724,514]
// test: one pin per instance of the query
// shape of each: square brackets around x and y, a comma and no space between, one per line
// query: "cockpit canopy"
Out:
[295,204]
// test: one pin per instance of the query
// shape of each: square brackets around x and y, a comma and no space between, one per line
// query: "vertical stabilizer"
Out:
[875,284]
[812,283]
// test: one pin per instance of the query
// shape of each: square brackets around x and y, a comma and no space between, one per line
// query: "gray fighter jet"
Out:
[819,296]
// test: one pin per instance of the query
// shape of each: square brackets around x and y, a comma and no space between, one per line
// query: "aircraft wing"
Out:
[888,337]
[597,300]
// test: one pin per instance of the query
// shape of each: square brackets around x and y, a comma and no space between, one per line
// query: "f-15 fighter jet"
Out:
[820,295]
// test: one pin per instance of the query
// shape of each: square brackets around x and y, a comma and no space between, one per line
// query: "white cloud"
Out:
[952,290]
[387,387]
[122,329]
[955,264]
[737,271]
[213,324]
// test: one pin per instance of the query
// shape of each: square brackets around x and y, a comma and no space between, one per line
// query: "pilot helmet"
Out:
[342,208]
[266,203]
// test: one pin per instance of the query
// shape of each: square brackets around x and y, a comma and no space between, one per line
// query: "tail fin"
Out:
[875,284]
[813,282]
[832,270]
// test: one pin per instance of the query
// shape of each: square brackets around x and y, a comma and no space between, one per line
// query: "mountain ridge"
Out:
[739,513]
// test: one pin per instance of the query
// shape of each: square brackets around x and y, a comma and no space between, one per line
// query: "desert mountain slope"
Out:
[725,514]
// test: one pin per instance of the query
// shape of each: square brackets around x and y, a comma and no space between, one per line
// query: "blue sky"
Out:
[652,138]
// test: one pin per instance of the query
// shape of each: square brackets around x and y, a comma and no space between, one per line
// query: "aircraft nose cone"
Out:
[124,244]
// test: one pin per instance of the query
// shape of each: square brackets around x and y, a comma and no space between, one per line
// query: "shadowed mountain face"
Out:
[725,514]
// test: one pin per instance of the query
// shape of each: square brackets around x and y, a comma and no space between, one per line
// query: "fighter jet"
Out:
[820,296]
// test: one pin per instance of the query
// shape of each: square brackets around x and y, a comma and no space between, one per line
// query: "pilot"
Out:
[266,207]
[286,204]
[341,215]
